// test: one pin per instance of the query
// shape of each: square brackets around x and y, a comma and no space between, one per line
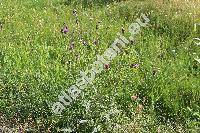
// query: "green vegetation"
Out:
[37,62]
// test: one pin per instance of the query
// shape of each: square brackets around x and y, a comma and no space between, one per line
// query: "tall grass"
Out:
[36,64]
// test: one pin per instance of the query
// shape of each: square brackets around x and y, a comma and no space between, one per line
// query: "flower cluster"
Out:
[97,67]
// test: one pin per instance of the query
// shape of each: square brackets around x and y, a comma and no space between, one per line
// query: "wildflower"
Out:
[20,129]
[135,65]
[106,66]
[134,97]
[64,30]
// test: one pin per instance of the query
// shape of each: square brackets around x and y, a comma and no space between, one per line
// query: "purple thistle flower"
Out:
[135,65]
[64,29]
[20,129]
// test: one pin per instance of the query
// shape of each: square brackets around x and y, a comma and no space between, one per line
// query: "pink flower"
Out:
[64,30]
[134,97]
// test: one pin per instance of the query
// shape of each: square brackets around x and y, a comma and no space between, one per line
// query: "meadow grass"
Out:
[37,63]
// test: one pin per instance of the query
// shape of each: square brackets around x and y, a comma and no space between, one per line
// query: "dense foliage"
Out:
[38,60]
